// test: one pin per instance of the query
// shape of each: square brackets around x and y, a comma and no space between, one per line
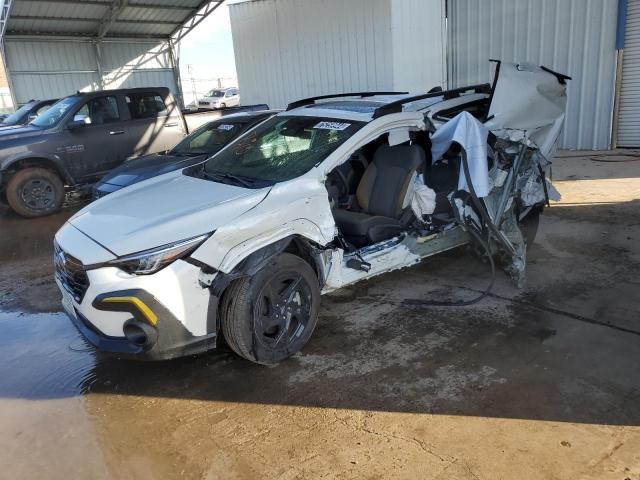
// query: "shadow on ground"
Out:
[566,348]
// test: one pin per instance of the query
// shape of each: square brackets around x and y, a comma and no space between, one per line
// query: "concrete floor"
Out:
[538,383]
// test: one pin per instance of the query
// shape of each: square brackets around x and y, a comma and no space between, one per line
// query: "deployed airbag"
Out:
[423,199]
[472,136]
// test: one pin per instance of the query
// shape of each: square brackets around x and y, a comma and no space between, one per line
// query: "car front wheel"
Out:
[270,316]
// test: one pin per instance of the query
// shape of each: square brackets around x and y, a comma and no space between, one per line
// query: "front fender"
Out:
[13,158]
[297,208]
[224,255]
[299,227]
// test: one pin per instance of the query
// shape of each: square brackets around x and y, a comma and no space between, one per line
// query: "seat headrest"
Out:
[409,157]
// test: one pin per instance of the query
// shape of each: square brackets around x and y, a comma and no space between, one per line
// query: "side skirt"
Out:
[389,255]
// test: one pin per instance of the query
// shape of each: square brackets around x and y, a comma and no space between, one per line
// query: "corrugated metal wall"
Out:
[291,49]
[576,37]
[288,49]
[629,112]
[140,64]
[419,41]
[54,68]
[46,69]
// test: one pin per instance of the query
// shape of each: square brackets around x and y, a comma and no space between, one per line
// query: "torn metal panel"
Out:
[529,105]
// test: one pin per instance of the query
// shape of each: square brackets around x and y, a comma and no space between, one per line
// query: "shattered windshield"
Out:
[280,149]
[209,138]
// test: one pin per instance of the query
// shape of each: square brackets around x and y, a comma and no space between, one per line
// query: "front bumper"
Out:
[209,105]
[169,340]
[149,317]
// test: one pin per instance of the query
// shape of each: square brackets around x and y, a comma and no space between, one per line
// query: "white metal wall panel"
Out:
[419,39]
[629,110]
[135,55]
[576,37]
[140,78]
[41,69]
[41,87]
[291,49]
[55,68]
[46,56]
[136,64]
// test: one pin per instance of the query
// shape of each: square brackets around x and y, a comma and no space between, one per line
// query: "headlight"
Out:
[150,261]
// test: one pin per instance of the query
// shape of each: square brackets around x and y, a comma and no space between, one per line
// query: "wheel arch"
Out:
[296,244]
[40,162]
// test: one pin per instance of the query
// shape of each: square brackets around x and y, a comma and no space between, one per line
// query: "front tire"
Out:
[529,226]
[270,316]
[223,105]
[35,192]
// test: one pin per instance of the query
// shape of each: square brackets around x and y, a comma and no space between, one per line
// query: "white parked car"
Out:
[220,98]
[317,197]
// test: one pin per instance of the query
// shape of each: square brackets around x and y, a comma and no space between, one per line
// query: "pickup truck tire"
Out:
[270,316]
[34,192]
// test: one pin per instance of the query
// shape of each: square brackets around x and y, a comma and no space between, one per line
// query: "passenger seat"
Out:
[380,195]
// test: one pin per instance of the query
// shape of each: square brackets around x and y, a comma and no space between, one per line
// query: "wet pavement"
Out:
[538,383]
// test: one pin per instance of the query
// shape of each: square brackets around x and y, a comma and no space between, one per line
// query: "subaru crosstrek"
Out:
[332,191]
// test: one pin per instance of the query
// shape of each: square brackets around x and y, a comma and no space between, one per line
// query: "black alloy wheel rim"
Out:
[282,310]
[38,194]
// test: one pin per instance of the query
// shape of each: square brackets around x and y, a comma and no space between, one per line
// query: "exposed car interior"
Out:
[381,195]
[370,193]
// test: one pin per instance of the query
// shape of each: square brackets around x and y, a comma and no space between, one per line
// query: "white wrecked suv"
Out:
[330,192]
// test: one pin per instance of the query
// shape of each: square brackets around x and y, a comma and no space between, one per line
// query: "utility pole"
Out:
[193,84]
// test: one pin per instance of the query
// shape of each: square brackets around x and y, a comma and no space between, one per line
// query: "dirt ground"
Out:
[536,383]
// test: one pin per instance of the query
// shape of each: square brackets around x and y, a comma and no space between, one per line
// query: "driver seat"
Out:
[381,195]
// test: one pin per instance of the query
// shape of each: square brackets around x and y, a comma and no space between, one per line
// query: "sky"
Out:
[208,48]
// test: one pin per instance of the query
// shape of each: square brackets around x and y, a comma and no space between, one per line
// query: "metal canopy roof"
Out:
[163,19]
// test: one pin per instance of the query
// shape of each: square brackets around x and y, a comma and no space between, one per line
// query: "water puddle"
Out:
[43,356]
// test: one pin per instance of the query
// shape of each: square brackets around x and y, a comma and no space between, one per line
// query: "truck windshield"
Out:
[58,110]
[280,149]
[17,115]
[215,93]
[209,139]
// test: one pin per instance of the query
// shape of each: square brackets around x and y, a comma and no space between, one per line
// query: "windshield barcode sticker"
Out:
[225,126]
[332,125]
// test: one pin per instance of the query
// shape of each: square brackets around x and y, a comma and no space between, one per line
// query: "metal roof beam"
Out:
[94,20]
[71,36]
[204,10]
[5,11]
[109,18]
[146,5]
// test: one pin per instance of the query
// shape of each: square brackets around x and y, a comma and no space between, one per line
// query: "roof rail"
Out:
[311,100]
[396,107]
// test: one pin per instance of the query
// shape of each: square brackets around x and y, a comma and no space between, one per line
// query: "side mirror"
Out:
[79,121]
[31,117]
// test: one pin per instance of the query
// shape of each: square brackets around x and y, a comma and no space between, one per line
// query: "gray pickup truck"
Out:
[82,137]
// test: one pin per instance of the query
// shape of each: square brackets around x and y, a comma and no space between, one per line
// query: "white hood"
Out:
[162,210]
